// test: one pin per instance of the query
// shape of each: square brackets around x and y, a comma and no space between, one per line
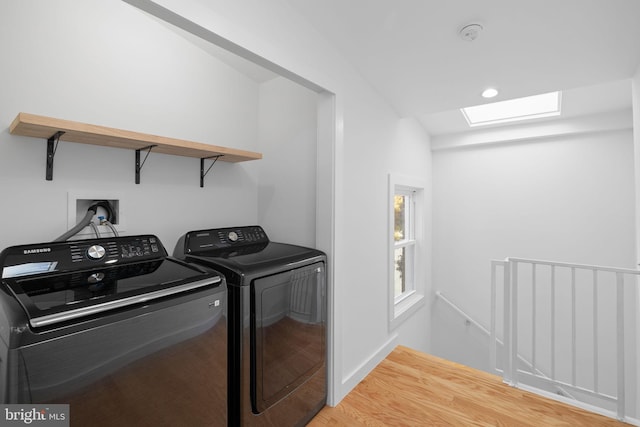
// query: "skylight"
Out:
[530,107]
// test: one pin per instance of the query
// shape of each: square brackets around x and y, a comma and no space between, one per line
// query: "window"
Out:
[404,242]
[406,271]
[530,107]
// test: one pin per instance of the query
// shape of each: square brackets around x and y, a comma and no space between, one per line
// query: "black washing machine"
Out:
[277,323]
[115,328]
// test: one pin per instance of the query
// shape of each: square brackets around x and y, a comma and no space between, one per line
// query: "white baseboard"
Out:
[358,374]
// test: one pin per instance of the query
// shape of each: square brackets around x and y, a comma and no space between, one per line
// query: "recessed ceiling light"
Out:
[489,93]
[530,107]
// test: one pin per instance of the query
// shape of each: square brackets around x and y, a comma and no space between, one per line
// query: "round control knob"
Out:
[232,236]
[96,252]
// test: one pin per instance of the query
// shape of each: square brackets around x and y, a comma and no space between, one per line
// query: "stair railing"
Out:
[551,313]
[494,342]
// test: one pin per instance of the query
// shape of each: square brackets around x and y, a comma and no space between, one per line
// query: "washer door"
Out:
[288,330]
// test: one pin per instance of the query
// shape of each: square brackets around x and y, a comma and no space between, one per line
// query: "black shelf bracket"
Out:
[140,165]
[202,171]
[52,147]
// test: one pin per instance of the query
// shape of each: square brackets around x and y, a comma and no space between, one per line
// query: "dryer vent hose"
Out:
[111,217]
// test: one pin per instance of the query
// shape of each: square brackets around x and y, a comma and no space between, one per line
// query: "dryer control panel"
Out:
[224,238]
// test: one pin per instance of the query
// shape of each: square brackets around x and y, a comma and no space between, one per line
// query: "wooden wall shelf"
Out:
[54,129]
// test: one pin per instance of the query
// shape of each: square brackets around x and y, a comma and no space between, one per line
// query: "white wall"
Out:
[635,92]
[104,62]
[635,96]
[410,155]
[365,135]
[287,184]
[561,198]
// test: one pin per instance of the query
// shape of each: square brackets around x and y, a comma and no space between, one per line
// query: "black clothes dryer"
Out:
[115,328]
[277,323]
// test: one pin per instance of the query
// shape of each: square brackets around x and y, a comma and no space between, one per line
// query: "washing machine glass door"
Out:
[288,332]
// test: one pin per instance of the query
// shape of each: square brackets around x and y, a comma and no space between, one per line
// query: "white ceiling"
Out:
[411,53]
[588,100]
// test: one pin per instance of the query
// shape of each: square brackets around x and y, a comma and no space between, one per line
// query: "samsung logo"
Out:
[37,251]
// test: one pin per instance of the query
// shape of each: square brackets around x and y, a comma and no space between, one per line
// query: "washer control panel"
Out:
[25,260]
[116,250]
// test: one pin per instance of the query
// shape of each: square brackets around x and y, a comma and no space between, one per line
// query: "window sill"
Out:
[405,309]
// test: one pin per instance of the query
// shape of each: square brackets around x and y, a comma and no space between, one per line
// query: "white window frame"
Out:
[408,243]
[404,305]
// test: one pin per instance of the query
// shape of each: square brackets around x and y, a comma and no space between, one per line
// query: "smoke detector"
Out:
[470,32]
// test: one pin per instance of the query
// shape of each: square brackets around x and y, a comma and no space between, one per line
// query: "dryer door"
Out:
[288,332]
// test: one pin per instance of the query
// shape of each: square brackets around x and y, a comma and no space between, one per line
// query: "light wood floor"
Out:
[410,388]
